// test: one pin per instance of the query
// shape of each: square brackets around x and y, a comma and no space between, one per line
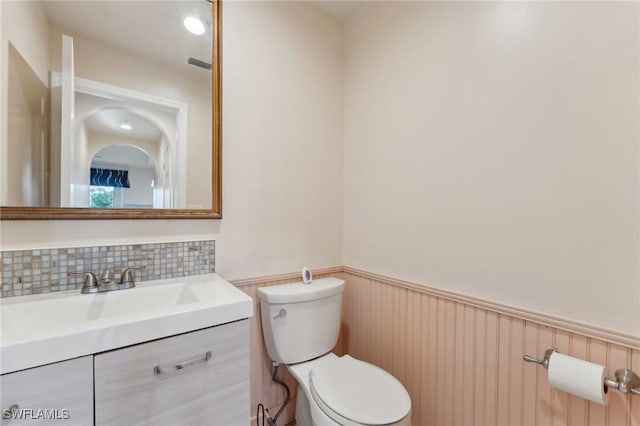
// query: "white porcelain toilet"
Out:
[301,323]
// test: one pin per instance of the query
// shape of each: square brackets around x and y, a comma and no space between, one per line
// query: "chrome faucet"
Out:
[107,281]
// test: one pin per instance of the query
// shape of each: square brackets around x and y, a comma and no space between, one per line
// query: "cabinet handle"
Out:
[159,370]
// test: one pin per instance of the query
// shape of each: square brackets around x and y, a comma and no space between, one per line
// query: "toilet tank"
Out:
[301,321]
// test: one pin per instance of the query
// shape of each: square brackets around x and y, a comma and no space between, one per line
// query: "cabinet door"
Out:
[173,382]
[60,394]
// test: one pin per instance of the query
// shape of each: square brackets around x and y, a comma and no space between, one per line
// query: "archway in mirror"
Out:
[127,162]
[117,184]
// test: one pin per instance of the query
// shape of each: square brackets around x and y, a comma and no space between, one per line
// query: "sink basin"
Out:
[20,320]
[40,329]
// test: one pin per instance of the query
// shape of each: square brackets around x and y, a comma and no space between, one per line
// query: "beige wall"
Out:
[32,44]
[27,108]
[282,138]
[493,149]
[15,16]
[282,152]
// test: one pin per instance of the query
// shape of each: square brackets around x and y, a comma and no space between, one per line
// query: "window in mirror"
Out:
[103,197]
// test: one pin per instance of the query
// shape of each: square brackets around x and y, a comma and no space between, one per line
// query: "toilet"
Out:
[300,323]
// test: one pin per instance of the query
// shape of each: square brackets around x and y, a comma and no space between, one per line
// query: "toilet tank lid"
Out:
[299,292]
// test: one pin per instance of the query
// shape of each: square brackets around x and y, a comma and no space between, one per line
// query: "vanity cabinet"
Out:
[198,378]
[60,393]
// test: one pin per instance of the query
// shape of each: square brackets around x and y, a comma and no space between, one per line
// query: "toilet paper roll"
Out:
[578,377]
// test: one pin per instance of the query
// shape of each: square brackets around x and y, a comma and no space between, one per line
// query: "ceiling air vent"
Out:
[199,63]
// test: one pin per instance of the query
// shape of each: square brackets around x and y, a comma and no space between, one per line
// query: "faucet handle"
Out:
[127,276]
[107,275]
[90,283]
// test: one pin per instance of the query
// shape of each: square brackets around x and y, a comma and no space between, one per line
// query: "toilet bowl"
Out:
[346,391]
[300,324]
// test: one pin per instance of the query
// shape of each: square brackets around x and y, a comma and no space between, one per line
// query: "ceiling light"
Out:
[126,126]
[194,25]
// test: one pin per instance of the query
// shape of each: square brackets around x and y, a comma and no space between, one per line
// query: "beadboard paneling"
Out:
[463,365]
[460,361]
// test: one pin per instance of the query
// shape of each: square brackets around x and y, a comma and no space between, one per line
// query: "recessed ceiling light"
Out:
[194,25]
[126,126]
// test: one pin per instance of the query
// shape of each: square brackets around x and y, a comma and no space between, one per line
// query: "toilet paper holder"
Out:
[626,381]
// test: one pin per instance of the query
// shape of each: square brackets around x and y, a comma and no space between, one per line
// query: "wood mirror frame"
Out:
[64,213]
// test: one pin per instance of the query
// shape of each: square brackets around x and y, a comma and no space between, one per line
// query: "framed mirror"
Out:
[110,110]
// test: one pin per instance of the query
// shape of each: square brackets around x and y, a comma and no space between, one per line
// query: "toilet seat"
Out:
[353,392]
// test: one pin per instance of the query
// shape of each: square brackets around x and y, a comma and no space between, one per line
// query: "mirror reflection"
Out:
[123,171]
[104,104]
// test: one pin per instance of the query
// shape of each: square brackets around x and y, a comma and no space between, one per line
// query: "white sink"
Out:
[41,329]
[27,317]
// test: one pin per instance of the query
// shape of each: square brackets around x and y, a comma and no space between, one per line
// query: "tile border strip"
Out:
[37,271]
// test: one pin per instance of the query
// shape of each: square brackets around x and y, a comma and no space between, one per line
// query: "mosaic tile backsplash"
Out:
[44,271]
